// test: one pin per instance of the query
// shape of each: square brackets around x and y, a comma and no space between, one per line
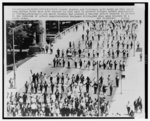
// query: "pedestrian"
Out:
[68,64]
[62,87]
[51,49]
[70,44]
[93,54]
[62,79]
[117,51]
[51,78]
[94,63]
[80,63]
[63,62]
[54,62]
[35,87]
[52,87]
[89,64]
[75,63]
[120,66]
[82,37]
[141,56]
[45,86]
[87,84]
[101,80]
[95,87]
[131,45]
[47,48]
[57,95]
[79,51]
[41,87]
[62,54]
[117,81]
[139,101]
[115,64]
[104,89]
[57,78]
[45,97]
[32,87]
[24,98]
[128,108]
[58,52]
[123,66]
[111,89]
[135,103]
[97,54]
[26,87]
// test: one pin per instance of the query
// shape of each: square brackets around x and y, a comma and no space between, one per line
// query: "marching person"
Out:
[111,89]
[57,78]
[117,81]
[75,64]
[58,52]
[26,87]
[45,86]
[95,87]
[54,62]
[63,62]
[80,63]
[62,79]
[68,64]
[52,87]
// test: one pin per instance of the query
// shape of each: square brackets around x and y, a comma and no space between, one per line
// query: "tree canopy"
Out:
[24,32]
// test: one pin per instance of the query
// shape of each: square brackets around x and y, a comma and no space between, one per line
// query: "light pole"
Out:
[98,87]
[14,62]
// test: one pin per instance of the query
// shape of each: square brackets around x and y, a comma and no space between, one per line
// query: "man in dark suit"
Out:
[80,63]
[95,87]
[47,110]
[62,78]
[63,63]
[57,77]
[68,64]
[45,97]
[24,98]
[75,64]
[26,87]
[79,51]
[52,87]
[117,80]
[111,89]
[54,62]
[115,65]
[45,86]
[35,87]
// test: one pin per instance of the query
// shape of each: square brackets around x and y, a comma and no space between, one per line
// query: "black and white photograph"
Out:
[70,61]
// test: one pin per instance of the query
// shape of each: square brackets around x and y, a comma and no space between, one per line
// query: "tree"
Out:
[23,34]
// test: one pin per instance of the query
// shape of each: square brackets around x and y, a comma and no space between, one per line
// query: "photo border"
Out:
[78,4]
